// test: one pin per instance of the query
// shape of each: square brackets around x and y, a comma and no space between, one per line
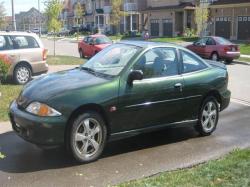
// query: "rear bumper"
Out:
[230,55]
[225,100]
[39,67]
[43,131]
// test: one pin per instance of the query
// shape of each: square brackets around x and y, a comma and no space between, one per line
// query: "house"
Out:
[169,18]
[231,19]
[98,12]
[30,20]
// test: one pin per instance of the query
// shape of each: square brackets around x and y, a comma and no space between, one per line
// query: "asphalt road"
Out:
[137,157]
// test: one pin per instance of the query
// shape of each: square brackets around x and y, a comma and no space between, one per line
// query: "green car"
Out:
[128,88]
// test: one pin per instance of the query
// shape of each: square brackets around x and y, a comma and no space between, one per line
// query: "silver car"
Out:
[27,55]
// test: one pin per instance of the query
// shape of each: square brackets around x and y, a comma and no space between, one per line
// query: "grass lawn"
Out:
[65,60]
[233,170]
[8,94]
[245,49]
[244,59]
[176,39]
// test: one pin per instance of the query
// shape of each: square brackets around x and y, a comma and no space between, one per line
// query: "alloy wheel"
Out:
[209,117]
[88,137]
[215,57]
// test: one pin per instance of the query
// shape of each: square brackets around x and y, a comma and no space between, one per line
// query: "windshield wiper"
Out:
[88,69]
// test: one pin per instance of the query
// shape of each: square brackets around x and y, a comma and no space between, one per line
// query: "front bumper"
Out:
[43,131]
[225,100]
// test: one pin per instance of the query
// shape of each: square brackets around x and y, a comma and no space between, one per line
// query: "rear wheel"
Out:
[215,56]
[81,53]
[229,61]
[87,137]
[22,74]
[208,116]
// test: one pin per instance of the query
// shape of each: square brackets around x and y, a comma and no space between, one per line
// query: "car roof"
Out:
[147,44]
[13,33]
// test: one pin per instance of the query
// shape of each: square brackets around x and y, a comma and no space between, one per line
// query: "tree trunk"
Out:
[54,43]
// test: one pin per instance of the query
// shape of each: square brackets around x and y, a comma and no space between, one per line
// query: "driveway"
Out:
[135,157]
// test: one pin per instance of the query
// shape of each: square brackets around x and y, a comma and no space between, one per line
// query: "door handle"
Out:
[179,86]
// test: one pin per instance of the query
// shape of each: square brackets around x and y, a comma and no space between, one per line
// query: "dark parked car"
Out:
[126,89]
[216,48]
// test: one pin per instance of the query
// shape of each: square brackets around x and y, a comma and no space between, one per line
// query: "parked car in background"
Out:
[127,89]
[63,32]
[215,48]
[92,44]
[35,30]
[27,55]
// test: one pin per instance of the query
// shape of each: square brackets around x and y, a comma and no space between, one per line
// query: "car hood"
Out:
[48,86]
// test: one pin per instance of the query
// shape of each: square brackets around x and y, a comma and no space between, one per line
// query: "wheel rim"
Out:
[215,57]
[88,137]
[23,75]
[209,116]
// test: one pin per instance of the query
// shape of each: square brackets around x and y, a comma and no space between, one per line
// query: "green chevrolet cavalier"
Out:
[128,88]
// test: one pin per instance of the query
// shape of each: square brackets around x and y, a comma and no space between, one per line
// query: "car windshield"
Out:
[102,40]
[111,60]
[223,41]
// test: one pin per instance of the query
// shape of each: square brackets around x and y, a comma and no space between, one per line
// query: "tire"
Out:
[81,53]
[88,137]
[22,74]
[214,56]
[229,61]
[208,117]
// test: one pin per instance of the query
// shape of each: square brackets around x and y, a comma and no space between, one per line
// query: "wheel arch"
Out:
[213,93]
[23,62]
[84,108]
[215,52]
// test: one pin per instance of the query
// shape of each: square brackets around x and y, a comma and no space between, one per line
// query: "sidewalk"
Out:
[245,56]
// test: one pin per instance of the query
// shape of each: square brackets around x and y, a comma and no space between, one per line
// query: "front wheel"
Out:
[81,53]
[208,117]
[88,137]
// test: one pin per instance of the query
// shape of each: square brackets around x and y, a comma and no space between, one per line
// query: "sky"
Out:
[22,5]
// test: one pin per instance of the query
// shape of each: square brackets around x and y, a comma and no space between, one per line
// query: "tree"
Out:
[116,13]
[79,15]
[53,10]
[201,16]
[2,16]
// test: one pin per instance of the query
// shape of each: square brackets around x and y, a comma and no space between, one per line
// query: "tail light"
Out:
[45,53]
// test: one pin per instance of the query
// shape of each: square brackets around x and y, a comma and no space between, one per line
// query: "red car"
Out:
[92,44]
[215,48]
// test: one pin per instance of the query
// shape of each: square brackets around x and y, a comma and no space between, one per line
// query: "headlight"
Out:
[40,109]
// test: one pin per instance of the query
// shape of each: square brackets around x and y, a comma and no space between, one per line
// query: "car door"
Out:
[195,78]
[199,47]
[156,99]
[210,47]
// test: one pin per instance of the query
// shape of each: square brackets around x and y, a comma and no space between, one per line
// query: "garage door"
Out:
[243,27]
[167,27]
[155,27]
[223,27]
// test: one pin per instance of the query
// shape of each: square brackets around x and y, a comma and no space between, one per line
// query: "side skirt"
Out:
[135,132]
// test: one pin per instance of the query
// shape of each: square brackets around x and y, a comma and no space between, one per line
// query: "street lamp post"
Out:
[13,16]
[40,19]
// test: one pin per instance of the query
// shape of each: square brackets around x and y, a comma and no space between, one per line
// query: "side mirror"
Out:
[135,75]
[203,45]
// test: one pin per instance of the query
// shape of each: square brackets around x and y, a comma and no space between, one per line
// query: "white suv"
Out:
[27,55]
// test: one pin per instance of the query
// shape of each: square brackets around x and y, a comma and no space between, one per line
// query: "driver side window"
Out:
[158,62]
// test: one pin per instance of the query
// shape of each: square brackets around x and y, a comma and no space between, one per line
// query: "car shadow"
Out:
[239,62]
[22,157]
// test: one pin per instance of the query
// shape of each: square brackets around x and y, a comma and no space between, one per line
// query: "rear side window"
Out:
[191,63]
[24,42]
[3,43]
